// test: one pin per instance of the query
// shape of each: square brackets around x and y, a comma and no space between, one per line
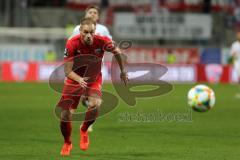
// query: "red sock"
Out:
[90,118]
[66,129]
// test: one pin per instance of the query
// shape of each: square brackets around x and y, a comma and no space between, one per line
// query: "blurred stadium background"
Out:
[191,37]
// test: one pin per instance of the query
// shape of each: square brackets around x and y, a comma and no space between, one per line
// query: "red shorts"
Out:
[72,93]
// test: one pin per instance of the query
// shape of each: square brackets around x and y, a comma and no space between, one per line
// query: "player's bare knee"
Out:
[66,115]
[94,102]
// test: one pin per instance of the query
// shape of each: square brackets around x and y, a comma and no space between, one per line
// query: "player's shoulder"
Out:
[101,26]
[74,40]
[102,38]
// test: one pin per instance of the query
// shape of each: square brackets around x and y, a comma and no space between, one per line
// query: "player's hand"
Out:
[82,81]
[124,77]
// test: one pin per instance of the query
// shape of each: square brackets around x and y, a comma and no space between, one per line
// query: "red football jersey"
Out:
[87,59]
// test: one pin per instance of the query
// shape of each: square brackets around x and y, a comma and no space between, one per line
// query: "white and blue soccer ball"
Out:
[201,98]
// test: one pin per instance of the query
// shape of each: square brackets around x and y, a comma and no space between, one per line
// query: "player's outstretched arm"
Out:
[118,55]
[72,75]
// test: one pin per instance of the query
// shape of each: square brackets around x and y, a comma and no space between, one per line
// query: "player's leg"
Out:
[237,68]
[94,102]
[94,89]
[65,125]
[66,130]
[85,104]
[67,104]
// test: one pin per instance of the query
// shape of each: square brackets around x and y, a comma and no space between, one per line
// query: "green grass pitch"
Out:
[30,131]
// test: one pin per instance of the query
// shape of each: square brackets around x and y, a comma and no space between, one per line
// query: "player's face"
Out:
[87,33]
[93,13]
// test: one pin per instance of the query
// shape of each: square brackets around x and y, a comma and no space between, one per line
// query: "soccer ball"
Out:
[201,98]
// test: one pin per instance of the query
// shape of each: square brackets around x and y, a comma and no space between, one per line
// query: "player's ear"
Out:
[80,28]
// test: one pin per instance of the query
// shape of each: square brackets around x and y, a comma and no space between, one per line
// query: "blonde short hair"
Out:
[87,21]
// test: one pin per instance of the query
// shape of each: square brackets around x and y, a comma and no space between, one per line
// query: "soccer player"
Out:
[235,54]
[83,58]
[93,11]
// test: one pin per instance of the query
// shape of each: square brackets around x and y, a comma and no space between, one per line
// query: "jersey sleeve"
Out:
[107,33]
[103,31]
[109,45]
[69,51]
